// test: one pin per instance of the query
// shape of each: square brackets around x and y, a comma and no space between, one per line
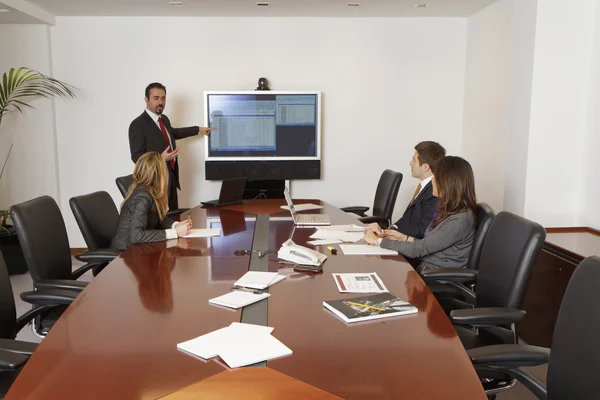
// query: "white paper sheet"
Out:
[322,242]
[198,233]
[366,250]
[238,298]
[209,345]
[259,280]
[359,283]
[252,350]
[343,228]
[337,235]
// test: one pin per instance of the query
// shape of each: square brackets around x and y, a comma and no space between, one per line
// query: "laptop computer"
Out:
[305,219]
[232,191]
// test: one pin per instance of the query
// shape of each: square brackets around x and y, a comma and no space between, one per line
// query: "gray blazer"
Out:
[446,246]
[139,221]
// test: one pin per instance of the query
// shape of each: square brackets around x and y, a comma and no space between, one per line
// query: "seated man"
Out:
[419,213]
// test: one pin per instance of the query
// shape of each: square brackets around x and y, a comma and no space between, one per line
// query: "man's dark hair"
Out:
[430,153]
[154,85]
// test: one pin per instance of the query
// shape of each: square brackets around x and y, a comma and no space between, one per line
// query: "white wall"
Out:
[486,104]
[31,170]
[589,192]
[562,62]
[386,84]
[523,39]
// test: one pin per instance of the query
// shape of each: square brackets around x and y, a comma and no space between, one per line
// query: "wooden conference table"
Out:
[118,339]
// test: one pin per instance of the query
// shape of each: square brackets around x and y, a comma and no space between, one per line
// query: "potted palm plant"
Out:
[17,89]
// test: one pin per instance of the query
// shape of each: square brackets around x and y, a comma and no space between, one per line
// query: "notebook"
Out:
[259,280]
[238,298]
[208,345]
[232,191]
[305,219]
[366,308]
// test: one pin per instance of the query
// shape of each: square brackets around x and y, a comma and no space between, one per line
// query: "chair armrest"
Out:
[17,346]
[359,210]
[101,255]
[11,361]
[509,358]
[49,297]
[174,213]
[487,316]
[450,274]
[382,221]
[61,284]
[509,355]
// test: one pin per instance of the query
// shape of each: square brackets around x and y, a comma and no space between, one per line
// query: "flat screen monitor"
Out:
[263,125]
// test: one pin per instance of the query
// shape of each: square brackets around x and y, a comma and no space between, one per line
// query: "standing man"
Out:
[152,131]
[420,210]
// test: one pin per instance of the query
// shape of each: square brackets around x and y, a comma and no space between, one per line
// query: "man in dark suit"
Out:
[152,131]
[420,210]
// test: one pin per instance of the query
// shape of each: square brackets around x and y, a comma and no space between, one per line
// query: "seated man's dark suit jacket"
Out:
[418,216]
[145,136]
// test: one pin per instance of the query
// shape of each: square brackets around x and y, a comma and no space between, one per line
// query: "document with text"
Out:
[359,283]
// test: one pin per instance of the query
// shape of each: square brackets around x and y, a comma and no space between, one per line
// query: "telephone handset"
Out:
[290,251]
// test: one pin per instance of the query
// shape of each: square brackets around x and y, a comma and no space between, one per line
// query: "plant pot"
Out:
[11,250]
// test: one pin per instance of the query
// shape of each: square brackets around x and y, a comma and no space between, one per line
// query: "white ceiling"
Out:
[246,8]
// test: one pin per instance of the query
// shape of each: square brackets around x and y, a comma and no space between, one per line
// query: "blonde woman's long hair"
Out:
[151,173]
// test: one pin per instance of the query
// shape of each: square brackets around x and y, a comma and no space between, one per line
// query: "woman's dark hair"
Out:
[456,187]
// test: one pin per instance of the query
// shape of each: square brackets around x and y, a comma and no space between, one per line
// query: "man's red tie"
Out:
[166,135]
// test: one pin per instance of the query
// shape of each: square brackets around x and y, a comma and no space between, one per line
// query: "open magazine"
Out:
[366,308]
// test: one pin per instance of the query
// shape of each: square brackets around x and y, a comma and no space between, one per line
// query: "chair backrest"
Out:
[8,312]
[507,258]
[386,194]
[43,238]
[575,356]
[97,217]
[485,215]
[123,183]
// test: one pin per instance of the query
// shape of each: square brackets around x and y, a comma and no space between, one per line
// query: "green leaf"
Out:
[20,85]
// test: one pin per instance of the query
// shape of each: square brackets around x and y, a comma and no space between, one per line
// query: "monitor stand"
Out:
[271,188]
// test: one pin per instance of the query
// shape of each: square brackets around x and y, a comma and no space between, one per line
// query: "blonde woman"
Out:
[143,216]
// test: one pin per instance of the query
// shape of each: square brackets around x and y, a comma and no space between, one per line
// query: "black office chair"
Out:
[485,216]
[98,219]
[385,200]
[574,360]
[14,353]
[124,182]
[488,315]
[43,238]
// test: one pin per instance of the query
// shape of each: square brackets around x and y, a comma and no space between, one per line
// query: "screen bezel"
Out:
[207,156]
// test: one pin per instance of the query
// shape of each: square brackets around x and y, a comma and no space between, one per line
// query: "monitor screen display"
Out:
[263,125]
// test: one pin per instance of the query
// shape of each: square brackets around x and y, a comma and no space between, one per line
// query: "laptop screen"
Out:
[288,199]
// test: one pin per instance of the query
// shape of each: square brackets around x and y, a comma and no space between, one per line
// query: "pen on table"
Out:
[249,290]
[332,250]
[365,306]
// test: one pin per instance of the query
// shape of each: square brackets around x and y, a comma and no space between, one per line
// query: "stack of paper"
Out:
[259,280]
[238,345]
[333,235]
[366,250]
[196,233]
[343,228]
[238,298]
